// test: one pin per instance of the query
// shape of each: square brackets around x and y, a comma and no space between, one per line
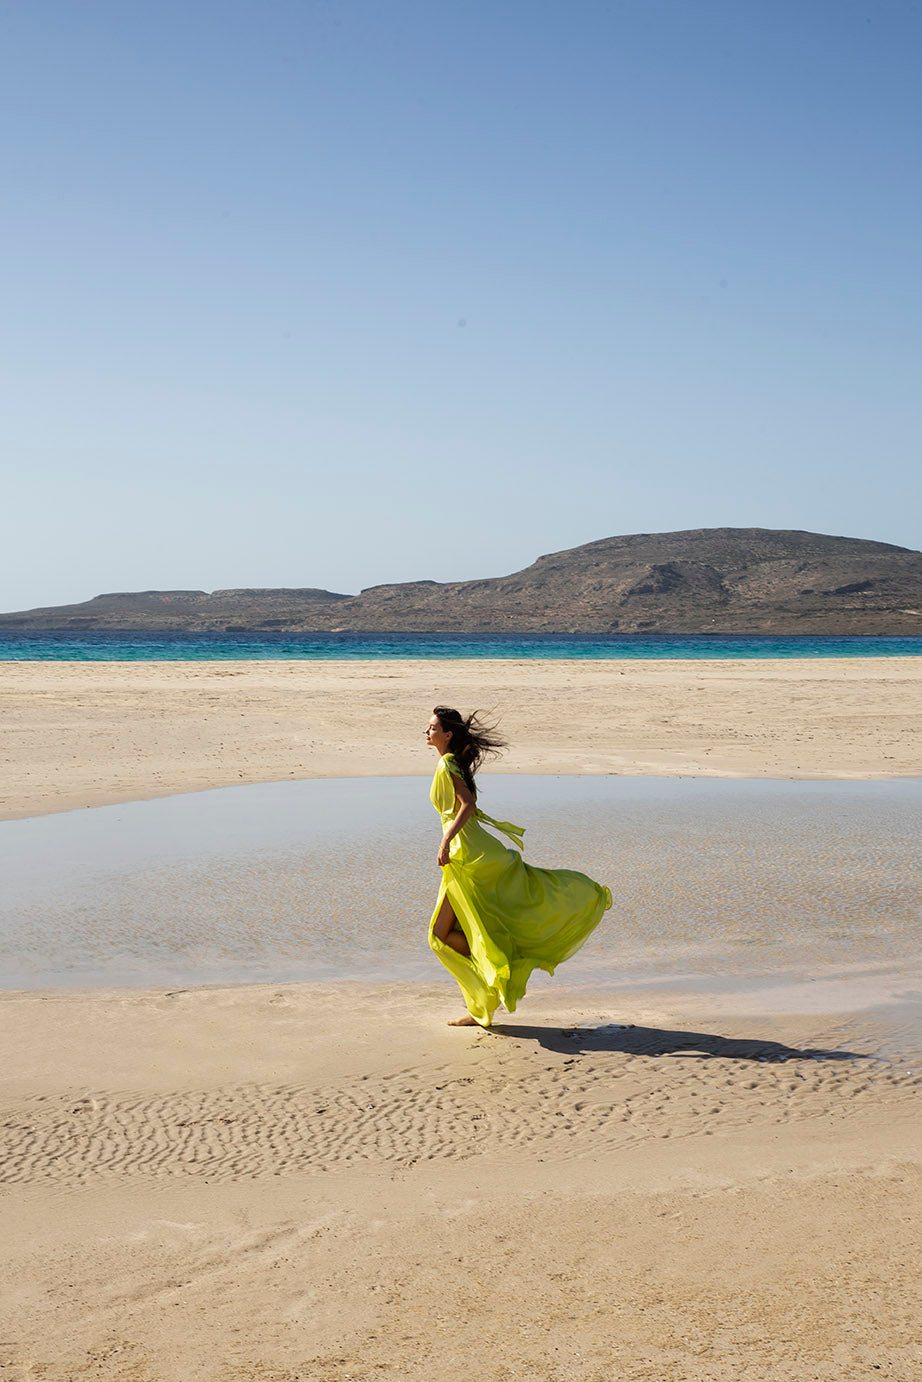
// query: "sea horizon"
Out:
[141,646]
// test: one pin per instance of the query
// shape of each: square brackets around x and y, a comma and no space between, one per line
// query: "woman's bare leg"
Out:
[447,930]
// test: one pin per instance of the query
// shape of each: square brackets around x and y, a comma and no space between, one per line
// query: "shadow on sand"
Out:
[656,1041]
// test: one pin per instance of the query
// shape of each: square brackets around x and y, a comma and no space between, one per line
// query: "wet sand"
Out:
[84,734]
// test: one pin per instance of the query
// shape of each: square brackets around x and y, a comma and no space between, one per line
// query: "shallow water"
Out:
[716,883]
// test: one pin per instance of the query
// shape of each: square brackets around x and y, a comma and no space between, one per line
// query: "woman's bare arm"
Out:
[464,799]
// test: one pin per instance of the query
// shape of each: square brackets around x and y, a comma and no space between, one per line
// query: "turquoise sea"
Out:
[233,647]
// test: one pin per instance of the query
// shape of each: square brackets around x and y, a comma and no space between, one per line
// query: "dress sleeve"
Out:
[444,786]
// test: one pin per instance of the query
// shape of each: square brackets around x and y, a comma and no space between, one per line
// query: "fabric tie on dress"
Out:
[514,832]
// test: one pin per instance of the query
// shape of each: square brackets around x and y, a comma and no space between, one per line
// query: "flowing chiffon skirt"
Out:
[516,918]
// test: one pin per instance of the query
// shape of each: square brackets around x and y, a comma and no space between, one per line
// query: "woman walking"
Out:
[496,918]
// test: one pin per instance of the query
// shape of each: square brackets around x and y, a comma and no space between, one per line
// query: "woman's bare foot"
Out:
[465,1021]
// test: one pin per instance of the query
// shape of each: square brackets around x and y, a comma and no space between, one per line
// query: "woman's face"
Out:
[436,737]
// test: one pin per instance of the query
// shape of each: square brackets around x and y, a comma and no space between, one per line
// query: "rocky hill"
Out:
[712,580]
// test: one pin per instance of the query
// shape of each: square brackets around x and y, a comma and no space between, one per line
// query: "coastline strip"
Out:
[90,734]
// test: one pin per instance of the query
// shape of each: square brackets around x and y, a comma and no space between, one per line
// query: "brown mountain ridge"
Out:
[702,580]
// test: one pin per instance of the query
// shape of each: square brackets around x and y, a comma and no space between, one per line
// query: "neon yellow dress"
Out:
[516,918]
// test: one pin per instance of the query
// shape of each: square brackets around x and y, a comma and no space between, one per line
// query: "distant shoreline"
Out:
[91,733]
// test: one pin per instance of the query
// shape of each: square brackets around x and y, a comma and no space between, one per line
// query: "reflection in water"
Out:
[334,879]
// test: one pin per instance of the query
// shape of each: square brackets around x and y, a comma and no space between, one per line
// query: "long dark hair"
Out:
[472,740]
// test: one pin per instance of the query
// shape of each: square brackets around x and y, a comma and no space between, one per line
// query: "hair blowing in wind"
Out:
[472,740]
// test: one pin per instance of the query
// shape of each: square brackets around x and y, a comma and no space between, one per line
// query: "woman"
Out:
[496,918]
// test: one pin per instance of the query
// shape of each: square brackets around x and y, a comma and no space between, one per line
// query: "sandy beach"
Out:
[281,1182]
[84,734]
[327,1183]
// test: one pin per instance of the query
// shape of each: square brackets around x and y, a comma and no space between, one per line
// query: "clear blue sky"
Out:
[339,293]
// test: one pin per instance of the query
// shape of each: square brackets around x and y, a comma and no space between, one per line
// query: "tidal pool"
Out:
[714,881]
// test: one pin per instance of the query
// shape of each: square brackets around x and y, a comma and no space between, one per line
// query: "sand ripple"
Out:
[592,1101]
